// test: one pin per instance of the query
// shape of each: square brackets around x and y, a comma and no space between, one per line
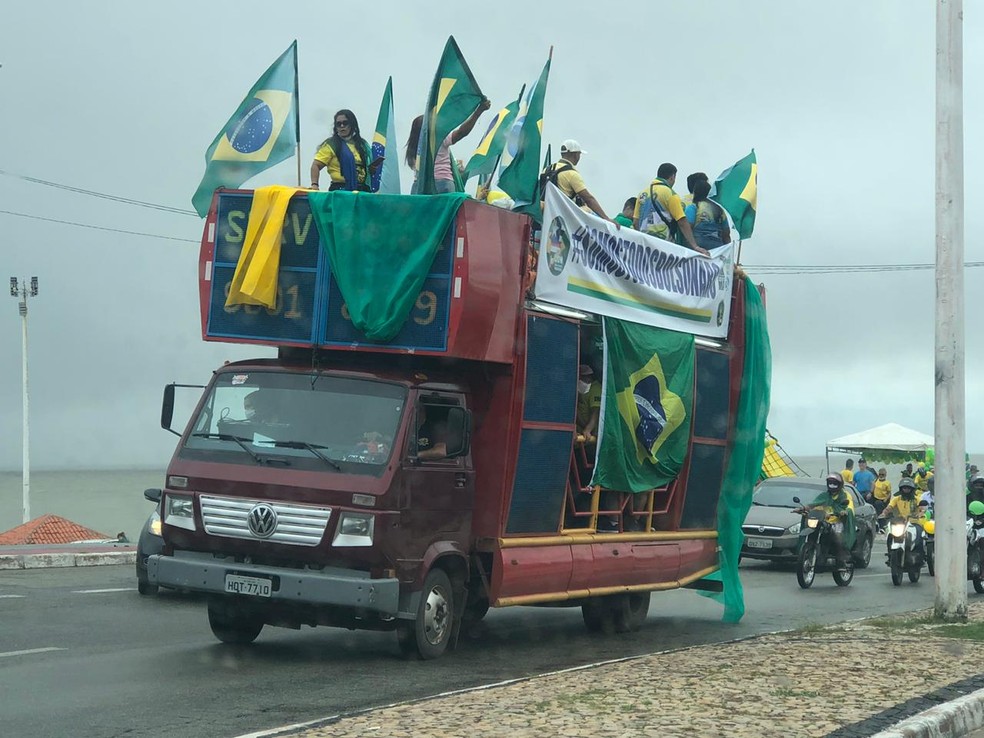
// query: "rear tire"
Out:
[806,566]
[598,616]
[146,588]
[235,629]
[429,635]
[978,585]
[931,563]
[630,611]
[914,574]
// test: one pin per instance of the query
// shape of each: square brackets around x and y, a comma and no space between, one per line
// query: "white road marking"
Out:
[101,591]
[30,651]
[11,597]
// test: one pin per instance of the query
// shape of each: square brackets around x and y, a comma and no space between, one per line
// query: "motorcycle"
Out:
[906,552]
[929,542]
[975,553]
[817,550]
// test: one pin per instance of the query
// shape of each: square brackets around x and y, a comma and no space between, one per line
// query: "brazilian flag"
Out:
[262,132]
[647,406]
[736,190]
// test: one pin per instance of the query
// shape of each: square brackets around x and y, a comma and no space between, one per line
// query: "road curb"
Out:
[67,559]
[954,718]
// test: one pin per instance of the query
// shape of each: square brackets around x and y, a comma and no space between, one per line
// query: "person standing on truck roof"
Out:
[692,180]
[346,155]
[707,219]
[588,403]
[563,173]
[659,211]
[443,176]
[625,217]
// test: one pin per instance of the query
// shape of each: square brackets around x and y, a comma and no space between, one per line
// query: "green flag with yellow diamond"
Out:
[647,406]
[736,190]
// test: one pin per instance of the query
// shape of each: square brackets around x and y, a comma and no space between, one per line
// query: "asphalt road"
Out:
[82,654]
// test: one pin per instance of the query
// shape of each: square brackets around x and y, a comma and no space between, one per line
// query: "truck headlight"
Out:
[354,529]
[155,525]
[179,511]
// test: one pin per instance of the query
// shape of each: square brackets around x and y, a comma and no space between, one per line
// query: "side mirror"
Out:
[167,408]
[796,500]
[153,495]
[459,432]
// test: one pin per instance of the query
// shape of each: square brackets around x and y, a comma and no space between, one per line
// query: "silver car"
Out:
[772,530]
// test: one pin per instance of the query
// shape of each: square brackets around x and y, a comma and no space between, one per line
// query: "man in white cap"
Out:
[564,174]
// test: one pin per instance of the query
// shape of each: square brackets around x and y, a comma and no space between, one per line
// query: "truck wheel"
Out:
[630,611]
[429,634]
[146,588]
[598,615]
[978,585]
[238,630]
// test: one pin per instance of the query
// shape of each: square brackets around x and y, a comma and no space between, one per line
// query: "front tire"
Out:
[429,635]
[978,585]
[844,578]
[234,629]
[146,588]
[914,574]
[931,562]
[806,567]
[896,564]
[864,558]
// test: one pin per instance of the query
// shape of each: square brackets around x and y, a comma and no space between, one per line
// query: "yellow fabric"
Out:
[848,476]
[882,490]
[905,508]
[326,155]
[922,480]
[588,403]
[570,181]
[255,279]
[831,516]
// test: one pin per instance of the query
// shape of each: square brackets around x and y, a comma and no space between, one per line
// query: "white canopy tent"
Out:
[891,441]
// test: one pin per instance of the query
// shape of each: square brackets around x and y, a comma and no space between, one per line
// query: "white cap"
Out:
[570,146]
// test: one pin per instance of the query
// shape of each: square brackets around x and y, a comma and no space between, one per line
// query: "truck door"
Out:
[440,489]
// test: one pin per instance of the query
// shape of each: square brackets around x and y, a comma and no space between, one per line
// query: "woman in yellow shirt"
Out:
[345,155]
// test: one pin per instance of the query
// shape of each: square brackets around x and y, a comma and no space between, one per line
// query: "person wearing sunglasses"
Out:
[346,156]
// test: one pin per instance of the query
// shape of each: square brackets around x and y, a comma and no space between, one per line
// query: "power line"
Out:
[776,269]
[98,228]
[103,195]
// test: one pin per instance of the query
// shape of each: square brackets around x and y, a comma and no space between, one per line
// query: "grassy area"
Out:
[970,631]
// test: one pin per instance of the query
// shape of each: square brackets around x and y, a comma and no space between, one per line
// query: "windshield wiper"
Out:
[310,447]
[228,437]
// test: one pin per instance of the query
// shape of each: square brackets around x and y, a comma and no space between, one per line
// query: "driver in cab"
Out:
[431,436]
[839,509]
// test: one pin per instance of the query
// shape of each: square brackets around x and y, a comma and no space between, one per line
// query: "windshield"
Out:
[298,420]
[781,495]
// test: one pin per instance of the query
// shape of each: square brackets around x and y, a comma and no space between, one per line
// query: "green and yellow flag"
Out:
[454,95]
[647,406]
[520,167]
[736,190]
[489,149]
[262,132]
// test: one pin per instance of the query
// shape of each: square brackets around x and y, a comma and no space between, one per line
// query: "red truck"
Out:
[304,489]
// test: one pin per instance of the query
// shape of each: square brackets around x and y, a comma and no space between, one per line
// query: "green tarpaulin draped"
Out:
[380,248]
[647,406]
[745,461]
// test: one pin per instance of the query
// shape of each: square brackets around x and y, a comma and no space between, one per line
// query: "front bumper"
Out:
[783,548]
[202,572]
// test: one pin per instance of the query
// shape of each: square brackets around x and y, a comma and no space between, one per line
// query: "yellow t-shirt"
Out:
[848,476]
[922,480]
[570,180]
[326,155]
[588,403]
[882,490]
[905,508]
[668,199]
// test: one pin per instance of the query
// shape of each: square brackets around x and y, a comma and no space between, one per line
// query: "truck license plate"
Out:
[758,542]
[256,586]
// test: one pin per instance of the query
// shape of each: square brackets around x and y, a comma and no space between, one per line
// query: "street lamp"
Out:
[23,291]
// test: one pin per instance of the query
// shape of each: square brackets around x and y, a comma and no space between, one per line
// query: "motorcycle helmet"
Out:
[835,482]
[976,508]
[907,488]
[977,481]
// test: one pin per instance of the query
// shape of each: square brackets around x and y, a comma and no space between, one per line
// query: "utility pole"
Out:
[23,292]
[951,546]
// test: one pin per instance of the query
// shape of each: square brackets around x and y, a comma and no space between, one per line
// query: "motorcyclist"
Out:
[905,505]
[839,508]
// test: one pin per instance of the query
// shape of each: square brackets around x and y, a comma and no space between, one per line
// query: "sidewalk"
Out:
[37,556]
[843,680]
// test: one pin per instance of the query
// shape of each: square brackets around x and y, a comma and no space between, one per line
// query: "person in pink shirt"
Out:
[443,176]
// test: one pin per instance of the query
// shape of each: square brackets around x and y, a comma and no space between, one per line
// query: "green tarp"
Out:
[647,406]
[745,462]
[380,248]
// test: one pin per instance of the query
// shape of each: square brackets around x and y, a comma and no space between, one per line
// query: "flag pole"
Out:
[297,116]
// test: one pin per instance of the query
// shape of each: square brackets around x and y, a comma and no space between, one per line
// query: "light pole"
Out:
[951,548]
[23,291]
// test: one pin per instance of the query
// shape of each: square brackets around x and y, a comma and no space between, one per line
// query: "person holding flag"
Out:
[443,176]
[346,156]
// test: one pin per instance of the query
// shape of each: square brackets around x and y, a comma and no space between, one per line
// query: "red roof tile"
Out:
[48,529]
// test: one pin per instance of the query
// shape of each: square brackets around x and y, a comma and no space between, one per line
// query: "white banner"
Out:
[586,263]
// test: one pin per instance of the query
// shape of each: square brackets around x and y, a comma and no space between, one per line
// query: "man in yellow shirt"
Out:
[881,494]
[848,471]
[922,477]
[659,211]
[564,174]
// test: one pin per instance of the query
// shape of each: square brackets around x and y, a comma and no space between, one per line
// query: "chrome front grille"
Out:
[762,530]
[300,525]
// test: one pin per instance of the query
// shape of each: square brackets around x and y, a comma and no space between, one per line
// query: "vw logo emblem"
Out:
[262,521]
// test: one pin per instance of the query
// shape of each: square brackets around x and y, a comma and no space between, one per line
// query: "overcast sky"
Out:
[836,97]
